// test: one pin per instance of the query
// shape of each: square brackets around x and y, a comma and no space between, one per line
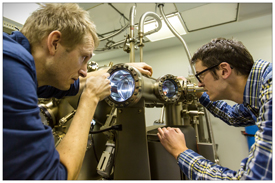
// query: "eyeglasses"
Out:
[198,74]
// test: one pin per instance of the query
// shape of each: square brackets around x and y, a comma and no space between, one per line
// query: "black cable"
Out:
[93,144]
[115,153]
[118,11]
[115,127]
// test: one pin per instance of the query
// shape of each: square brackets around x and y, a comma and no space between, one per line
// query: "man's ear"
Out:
[52,42]
[226,70]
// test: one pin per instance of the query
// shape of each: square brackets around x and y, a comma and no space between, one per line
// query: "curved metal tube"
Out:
[132,20]
[141,30]
[142,20]
[114,34]
[177,35]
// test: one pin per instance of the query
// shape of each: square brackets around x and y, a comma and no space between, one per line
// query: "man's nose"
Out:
[200,84]
[83,71]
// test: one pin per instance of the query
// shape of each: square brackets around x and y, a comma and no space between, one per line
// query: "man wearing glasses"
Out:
[227,71]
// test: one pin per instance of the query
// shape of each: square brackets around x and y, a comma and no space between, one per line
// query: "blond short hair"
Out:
[72,21]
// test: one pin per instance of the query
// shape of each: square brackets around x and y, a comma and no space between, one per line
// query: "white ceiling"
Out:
[109,17]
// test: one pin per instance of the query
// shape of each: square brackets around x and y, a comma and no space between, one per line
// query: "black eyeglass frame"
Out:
[197,75]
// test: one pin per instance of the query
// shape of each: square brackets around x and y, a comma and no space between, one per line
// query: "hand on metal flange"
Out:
[182,78]
[142,67]
[173,140]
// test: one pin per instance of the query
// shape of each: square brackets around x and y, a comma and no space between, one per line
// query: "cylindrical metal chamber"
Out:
[128,86]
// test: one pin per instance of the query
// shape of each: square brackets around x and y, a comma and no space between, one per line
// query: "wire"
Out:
[115,153]
[115,127]
[93,144]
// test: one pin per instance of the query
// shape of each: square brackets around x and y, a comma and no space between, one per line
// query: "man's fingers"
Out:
[178,130]
[160,131]
[149,69]
[159,135]
[148,73]
[106,75]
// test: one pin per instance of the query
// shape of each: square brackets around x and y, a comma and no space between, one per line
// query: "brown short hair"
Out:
[225,50]
[72,21]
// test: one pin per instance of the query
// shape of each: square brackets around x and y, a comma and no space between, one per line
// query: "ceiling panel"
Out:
[250,10]
[187,6]
[209,15]
[105,17]
[88,6]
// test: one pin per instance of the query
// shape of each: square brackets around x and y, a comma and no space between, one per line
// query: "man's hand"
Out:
[97,86]
[182,78]
[142,67]
[173,140]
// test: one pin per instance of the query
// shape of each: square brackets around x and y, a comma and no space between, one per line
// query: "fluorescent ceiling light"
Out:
[164,32]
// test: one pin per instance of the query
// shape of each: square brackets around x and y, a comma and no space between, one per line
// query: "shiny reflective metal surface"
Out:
[122,85]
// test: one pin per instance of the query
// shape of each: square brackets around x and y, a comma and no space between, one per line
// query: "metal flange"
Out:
[136,95]
[160,92]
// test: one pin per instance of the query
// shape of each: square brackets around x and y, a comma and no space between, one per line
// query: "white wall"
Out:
[232,145]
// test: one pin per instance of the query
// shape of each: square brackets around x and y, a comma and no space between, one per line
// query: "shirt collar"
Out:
[21,39]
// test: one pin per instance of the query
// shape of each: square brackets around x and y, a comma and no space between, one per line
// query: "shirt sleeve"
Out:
[257,166]
[196,167]
[236,115]
[28,146]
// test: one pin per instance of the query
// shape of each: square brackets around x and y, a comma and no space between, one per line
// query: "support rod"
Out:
[132,38]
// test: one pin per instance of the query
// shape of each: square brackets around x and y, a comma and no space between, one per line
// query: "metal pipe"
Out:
[141,30]
[162,114]
[132,38]
[118,43]
[173,114]
[141,53]
[114,34]
[208,122]
[196,128]
[65,119]
[177,35]
[211,139]
[142,20]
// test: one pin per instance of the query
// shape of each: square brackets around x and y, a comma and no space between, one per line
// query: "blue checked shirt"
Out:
[256,109]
